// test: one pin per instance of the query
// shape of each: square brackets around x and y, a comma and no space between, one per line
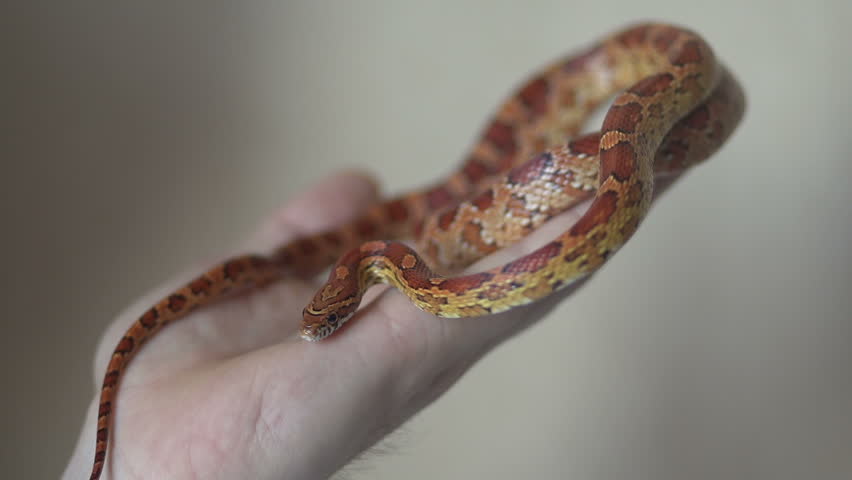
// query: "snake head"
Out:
[317,325]
[331,307]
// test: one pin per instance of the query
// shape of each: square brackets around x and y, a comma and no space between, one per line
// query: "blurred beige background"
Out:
[139,137]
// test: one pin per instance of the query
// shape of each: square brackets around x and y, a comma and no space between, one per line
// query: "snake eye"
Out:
[331,318]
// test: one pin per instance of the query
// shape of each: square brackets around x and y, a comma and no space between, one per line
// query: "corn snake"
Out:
[678,108]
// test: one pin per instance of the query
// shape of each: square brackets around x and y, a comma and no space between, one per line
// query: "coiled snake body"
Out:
[679,106]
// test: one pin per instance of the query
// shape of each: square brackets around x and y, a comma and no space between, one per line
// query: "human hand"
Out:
[230,391]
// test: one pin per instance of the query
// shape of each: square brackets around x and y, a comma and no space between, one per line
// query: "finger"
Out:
[329,204]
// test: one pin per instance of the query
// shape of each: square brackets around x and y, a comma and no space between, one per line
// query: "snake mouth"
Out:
[314,334]
[309,337]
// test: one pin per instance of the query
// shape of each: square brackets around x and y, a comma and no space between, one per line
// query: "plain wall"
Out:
[141,137]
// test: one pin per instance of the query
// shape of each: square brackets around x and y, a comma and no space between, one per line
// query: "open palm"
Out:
[230,391]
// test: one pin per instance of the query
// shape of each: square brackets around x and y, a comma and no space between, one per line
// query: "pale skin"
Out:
[231,391]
